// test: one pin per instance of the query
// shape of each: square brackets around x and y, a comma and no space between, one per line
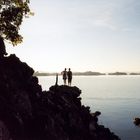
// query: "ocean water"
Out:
[117,97]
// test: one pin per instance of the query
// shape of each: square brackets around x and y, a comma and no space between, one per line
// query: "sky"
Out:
[84,35]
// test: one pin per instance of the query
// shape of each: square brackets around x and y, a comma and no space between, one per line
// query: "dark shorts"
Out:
[69,80]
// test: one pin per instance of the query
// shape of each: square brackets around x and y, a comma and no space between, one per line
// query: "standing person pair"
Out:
[67,75]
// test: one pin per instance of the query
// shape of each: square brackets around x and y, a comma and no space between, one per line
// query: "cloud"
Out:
[116,15]
[104,23]
[127,29]
[102,15]
[104,18]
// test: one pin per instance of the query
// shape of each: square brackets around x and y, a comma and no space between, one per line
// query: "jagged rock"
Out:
[29,113]
[137,121]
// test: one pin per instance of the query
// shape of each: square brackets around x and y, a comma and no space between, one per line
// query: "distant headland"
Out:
[87,73]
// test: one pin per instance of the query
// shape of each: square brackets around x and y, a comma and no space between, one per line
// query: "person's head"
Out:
[65,69]
[69,69]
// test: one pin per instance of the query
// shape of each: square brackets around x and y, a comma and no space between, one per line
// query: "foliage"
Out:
[12,13]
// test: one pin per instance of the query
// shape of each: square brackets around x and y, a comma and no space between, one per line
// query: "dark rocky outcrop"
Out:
[32,114]
[137,121]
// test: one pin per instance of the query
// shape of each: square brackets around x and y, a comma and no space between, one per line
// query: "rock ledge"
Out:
[28,113]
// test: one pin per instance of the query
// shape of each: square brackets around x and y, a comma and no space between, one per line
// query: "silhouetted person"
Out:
[69,74]
[2,48]
[64,75]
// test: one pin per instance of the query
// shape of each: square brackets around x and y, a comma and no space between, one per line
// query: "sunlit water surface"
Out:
[117,97]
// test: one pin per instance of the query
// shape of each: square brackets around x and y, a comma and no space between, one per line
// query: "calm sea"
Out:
[117,97]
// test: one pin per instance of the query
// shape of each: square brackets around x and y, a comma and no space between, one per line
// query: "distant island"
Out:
[87,73]
[118,73]
[123,73]
[133,73]
[44,74]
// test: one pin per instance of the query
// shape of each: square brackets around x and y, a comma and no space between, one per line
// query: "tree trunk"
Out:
[2,48]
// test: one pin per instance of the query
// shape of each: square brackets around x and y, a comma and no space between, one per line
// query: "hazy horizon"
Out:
[89,71]
[96,35]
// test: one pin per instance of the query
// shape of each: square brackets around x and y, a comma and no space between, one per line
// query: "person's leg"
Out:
[65,82]
[70,81]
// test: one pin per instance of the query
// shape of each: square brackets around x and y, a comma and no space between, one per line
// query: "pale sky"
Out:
[96,35]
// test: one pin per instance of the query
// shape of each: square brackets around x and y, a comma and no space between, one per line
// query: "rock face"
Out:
[28,113]
[137,121]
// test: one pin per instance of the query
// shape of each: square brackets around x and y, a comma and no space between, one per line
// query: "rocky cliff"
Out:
[28,113]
